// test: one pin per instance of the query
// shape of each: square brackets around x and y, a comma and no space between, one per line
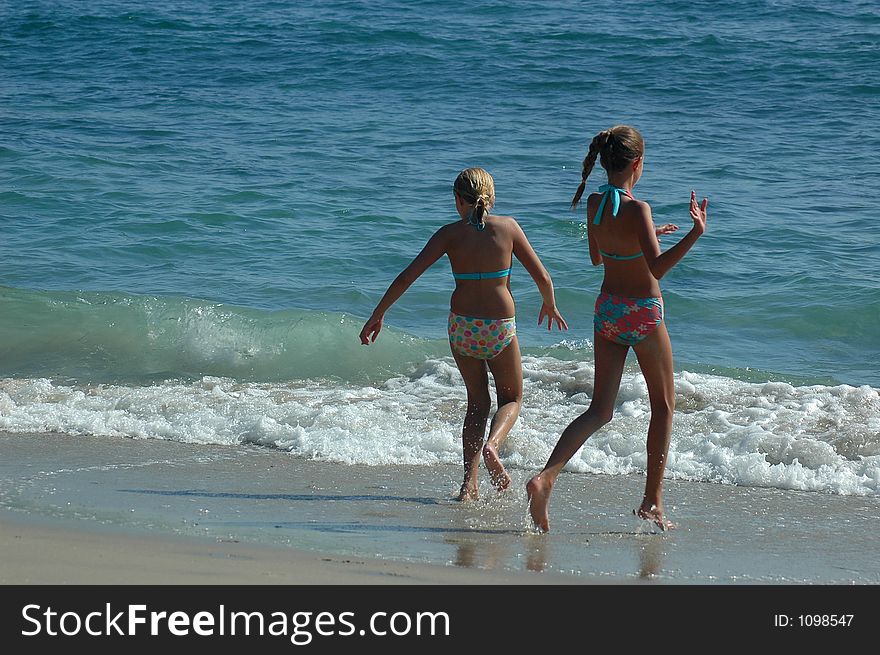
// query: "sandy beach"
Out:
[41,551]
[81,510]
[94,522]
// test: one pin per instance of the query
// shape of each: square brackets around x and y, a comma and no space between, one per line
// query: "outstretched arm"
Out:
[661,263]
[524,252]
[433,250]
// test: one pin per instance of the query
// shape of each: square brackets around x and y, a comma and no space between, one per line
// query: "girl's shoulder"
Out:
[450,229]
[506,224]
[592,203]
[639,207]
[500,224]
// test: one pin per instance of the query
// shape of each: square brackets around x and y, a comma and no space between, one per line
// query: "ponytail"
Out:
[599,142]
[476,186]
[478,214]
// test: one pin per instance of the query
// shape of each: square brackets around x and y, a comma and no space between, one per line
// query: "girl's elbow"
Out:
[405,280]
[656,271]
[541,278]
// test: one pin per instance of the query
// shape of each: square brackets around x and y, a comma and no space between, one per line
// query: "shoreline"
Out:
[109,510]
[37,550]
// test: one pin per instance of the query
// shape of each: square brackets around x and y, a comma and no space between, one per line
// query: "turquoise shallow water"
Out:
[280,156]
[215,195]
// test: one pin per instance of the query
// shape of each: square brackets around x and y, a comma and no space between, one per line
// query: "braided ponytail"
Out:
[615,148]
[596,145]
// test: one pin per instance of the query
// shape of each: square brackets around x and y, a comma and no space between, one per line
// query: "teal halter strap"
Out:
[614,192]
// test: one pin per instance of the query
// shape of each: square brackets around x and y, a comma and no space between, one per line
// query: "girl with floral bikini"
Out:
[482,323]
[628,314]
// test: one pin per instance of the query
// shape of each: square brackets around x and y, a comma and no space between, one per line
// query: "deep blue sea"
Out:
[200,202]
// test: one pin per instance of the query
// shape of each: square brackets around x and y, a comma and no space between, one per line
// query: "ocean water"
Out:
[200,203]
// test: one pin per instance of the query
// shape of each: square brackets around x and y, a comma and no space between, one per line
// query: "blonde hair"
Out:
[617,147]
[476,186]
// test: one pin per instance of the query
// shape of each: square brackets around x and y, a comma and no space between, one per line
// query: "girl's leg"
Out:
[507,370]
[610,358]
[655,360]
[476,380]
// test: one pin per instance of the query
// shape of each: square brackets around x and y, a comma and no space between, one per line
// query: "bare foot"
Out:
[497,473]
[467,493]
[539,499]
[649,512]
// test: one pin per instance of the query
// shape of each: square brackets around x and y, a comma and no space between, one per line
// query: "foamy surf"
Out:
[812,438]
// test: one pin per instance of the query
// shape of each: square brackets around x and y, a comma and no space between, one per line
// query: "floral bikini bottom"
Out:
[626,320]
[481,338]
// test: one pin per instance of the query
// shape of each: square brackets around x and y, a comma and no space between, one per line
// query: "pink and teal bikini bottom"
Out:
[626,320]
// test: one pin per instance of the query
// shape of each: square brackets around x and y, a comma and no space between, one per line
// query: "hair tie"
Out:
[477,223]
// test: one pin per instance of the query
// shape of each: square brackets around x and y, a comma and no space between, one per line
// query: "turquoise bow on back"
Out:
[614,192]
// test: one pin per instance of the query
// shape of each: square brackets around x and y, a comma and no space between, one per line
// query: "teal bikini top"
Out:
[609,190]
[481,276]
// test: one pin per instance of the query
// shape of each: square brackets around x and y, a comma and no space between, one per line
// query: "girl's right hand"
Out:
[371,330]
[698,212]
[552,314]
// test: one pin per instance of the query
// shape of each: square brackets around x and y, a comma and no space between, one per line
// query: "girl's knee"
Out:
[663,409]
[479,406]
[605,416]
[506,397]
[508,391]
[599,414]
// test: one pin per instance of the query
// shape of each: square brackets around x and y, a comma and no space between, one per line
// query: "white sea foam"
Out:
[815,438]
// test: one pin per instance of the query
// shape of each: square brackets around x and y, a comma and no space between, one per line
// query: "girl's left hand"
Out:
[552,314]
[667,228]
[371,330]
[698,213]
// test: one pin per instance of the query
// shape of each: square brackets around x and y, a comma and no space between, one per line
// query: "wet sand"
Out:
[77,509]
